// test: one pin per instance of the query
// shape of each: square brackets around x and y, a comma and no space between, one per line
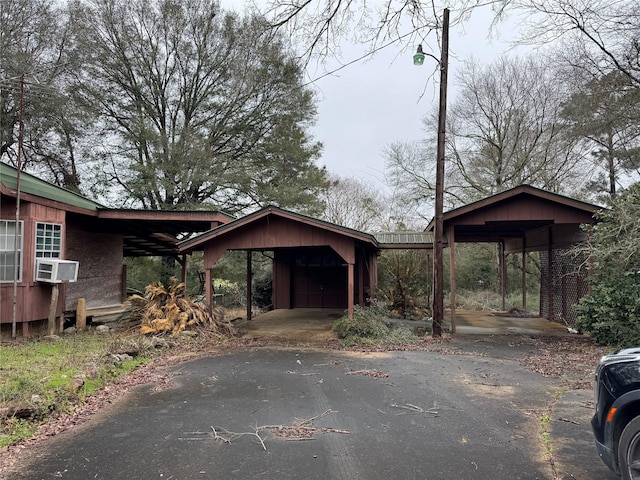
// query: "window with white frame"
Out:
[8,250]
[48,240]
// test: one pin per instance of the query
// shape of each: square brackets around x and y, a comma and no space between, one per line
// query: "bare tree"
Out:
[505,129]
[411,172]
[352,203]
[598,36]
[320,25]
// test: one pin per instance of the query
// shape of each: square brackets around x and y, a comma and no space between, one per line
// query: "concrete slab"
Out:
[296,325]
[313,325]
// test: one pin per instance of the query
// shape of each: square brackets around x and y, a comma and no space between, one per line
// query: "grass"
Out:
[36,376]
[490,300]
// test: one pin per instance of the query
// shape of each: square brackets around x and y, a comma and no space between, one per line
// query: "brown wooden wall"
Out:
[283,272]
[523,208]
[281,279]
[560,236]
[276,232]
[33,299]
[100,279]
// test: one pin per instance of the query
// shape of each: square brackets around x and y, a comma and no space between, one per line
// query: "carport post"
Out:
[451,240]
[503,274]
[350,286]
[249,292]
[524,274]
[208,291]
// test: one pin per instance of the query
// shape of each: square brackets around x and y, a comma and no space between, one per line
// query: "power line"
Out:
[368,54]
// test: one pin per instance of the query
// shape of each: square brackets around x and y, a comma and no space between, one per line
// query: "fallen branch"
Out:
[234,435]
[309,421]
[369,373]
[414,409]
[568,421]
[303,429]
[300,430]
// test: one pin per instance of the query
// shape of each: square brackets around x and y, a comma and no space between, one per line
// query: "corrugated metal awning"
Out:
[400,240]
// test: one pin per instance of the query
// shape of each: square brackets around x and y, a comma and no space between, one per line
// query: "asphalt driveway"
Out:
[412,415]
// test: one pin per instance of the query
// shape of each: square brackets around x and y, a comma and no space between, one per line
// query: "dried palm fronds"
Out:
[163,310]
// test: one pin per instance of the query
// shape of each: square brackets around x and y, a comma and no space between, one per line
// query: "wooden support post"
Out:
[81,315]
[551,314]
[53,307]
[524,274]
[361,296]
[208,290]
[249,290]
[502,273]
[438,279]
[350,286]
[25,330]
[183,261]
[452,277]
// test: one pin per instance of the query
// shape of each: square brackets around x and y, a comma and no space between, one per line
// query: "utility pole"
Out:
[438,276]
[17,232]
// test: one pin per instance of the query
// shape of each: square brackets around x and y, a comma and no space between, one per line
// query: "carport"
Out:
[526,219]
[316,264]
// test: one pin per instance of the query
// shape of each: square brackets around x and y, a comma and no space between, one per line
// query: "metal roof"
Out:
[145,232]
[389,240]
[34,186]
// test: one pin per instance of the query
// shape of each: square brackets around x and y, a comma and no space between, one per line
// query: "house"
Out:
[316,264]
[55,223]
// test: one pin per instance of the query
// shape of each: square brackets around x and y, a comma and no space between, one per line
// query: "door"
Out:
[319,280]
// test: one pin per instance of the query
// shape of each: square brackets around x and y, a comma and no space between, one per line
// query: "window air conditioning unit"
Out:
[54,270]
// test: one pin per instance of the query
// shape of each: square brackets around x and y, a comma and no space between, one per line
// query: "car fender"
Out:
[620,404]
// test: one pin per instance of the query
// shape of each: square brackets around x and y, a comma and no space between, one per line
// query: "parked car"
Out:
[616,423]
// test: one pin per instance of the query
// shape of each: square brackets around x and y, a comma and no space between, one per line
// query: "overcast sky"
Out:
[372,103]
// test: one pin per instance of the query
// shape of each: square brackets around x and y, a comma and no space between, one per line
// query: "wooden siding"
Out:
[281,279]
[318,279]
[32,302]
[33,299]
[274,232]
[524,208]
[100,279]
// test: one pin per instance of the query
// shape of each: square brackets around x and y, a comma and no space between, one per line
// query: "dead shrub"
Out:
[164,310]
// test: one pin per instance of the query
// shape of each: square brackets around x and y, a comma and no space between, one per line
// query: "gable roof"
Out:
[271,210]
[515,208]
[525,190]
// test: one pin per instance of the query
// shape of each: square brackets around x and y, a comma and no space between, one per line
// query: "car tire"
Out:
[629,450]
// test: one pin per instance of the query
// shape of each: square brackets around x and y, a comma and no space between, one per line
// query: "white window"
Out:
[48,240]
[8,250]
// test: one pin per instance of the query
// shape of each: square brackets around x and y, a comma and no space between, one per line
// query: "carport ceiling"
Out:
[153,233]
[497,231]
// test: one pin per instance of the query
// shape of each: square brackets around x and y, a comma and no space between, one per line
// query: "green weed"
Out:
[370,326]
[36,375]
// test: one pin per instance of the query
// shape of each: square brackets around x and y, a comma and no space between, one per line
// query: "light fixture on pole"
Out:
[438,276]
[418,58]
